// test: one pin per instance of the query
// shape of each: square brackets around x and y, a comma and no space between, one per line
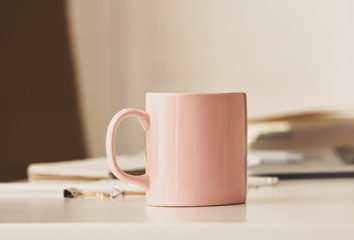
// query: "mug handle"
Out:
[144,119]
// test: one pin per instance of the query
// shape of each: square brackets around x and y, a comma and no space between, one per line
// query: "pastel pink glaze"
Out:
[196,148]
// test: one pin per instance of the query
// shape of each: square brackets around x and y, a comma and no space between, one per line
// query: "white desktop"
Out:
[294,209]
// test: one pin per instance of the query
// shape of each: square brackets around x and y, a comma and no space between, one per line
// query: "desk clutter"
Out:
[309,142]
[100,188]
[115,193]
[92,177]
[311,129]
[279,145]
[95,169]
[323,140]
[111,188]
[91,169]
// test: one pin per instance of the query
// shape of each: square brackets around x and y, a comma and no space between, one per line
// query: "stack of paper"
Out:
[91,169]
[303,130]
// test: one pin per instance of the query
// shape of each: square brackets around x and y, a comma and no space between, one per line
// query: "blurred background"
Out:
[66,67]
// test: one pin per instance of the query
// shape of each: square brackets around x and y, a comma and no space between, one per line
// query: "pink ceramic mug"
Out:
[196,148]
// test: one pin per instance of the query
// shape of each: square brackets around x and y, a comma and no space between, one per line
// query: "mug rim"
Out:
[193,93]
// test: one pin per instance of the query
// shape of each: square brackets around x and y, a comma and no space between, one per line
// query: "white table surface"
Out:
[294,209]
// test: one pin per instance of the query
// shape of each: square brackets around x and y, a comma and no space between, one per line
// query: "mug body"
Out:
[196,149]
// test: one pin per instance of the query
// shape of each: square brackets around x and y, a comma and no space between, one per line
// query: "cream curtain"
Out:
[287,55]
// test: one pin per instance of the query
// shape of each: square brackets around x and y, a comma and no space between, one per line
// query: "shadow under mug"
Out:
[196,148]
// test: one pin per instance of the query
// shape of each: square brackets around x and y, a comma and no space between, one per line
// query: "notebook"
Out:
[91,169]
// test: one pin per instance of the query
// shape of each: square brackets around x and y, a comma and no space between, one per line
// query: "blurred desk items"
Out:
[104,188]
[273,157]
[323,142]
[321,162]
[96,169]
[56,188]
[313,129]
[91,169]
[314,143]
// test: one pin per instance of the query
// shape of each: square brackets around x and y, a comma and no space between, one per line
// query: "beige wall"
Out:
[287,55]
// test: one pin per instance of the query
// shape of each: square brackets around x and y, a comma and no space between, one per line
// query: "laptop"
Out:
[320,162]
